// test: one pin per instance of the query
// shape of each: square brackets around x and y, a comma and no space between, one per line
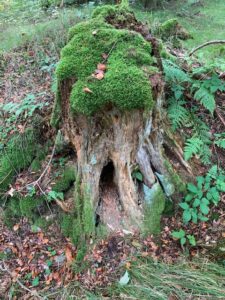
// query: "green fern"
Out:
[206,98]
[220,140]
[177,114]
[192,147]
[205,91]
[173,73]
[202,132]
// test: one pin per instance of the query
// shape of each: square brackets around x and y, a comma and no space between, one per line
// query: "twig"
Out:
[207,44]
[36,182]
[220,117]
[3,268]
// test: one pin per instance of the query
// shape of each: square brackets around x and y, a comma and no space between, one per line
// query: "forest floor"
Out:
[39,264]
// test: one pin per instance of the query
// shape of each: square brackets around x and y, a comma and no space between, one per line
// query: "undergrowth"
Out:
[148,280]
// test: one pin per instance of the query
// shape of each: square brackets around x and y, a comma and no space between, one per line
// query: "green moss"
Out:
[19,206]
[42,223]
[173,29]
[88,217]
[125,83]
[66,224]
[179,184]
[80,224]
[17,155]
[35,165]
[29,206]
[153,208]
[64,183]
[56,113]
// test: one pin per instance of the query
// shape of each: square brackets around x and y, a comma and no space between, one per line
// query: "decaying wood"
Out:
[214,42]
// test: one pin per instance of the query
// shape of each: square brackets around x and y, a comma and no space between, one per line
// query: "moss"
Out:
[56,113]
[80,224]
[125,84]
[153,208]
[35,165]
[29,206]
[64,183]
[17,155]
[19,206]
[88,217]
[173,29]
[179,184]
[42,223]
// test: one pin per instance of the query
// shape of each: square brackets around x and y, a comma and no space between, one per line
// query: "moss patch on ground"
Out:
[65,182]
[19,206]
[125,55]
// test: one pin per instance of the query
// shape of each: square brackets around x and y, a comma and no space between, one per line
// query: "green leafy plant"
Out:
[220,140]
[53,195]
[196,204]
[204,91]
[137,175]
[183,237]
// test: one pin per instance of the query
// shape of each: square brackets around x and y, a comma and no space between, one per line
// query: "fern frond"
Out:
[205,98]
[220,140]
[220,143]
[192,147]
[173,73]
[205,154]
[177,113]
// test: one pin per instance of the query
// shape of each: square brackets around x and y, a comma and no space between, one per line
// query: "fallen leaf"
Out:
[124,279]
[11,192]
[16,227]
[69,256]
[101,67]
[87,90]
[99,76]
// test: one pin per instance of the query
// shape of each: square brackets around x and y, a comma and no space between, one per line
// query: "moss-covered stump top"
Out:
[110,65]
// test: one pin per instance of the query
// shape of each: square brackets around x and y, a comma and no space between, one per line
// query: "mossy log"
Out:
[114,121]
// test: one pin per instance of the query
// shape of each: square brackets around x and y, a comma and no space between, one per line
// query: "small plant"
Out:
[205,91]
[220,140]
[53,195]
[196,204]
[184,238]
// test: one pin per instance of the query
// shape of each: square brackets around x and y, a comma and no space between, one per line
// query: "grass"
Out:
[205,21]
[25,22]
[151,280]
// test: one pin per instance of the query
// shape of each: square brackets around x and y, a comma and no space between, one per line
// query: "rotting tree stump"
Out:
[110,98]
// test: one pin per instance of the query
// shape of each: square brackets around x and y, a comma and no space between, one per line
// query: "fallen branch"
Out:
[214,42]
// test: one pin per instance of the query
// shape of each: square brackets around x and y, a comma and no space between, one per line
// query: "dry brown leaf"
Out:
[101,67]
[11,192]
[99,76]
[16,227]
[87,90]
[69,256]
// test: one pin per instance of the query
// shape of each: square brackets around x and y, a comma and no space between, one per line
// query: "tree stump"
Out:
[110,97]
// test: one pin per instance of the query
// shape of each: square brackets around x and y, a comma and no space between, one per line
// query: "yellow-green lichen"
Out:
[125,83]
